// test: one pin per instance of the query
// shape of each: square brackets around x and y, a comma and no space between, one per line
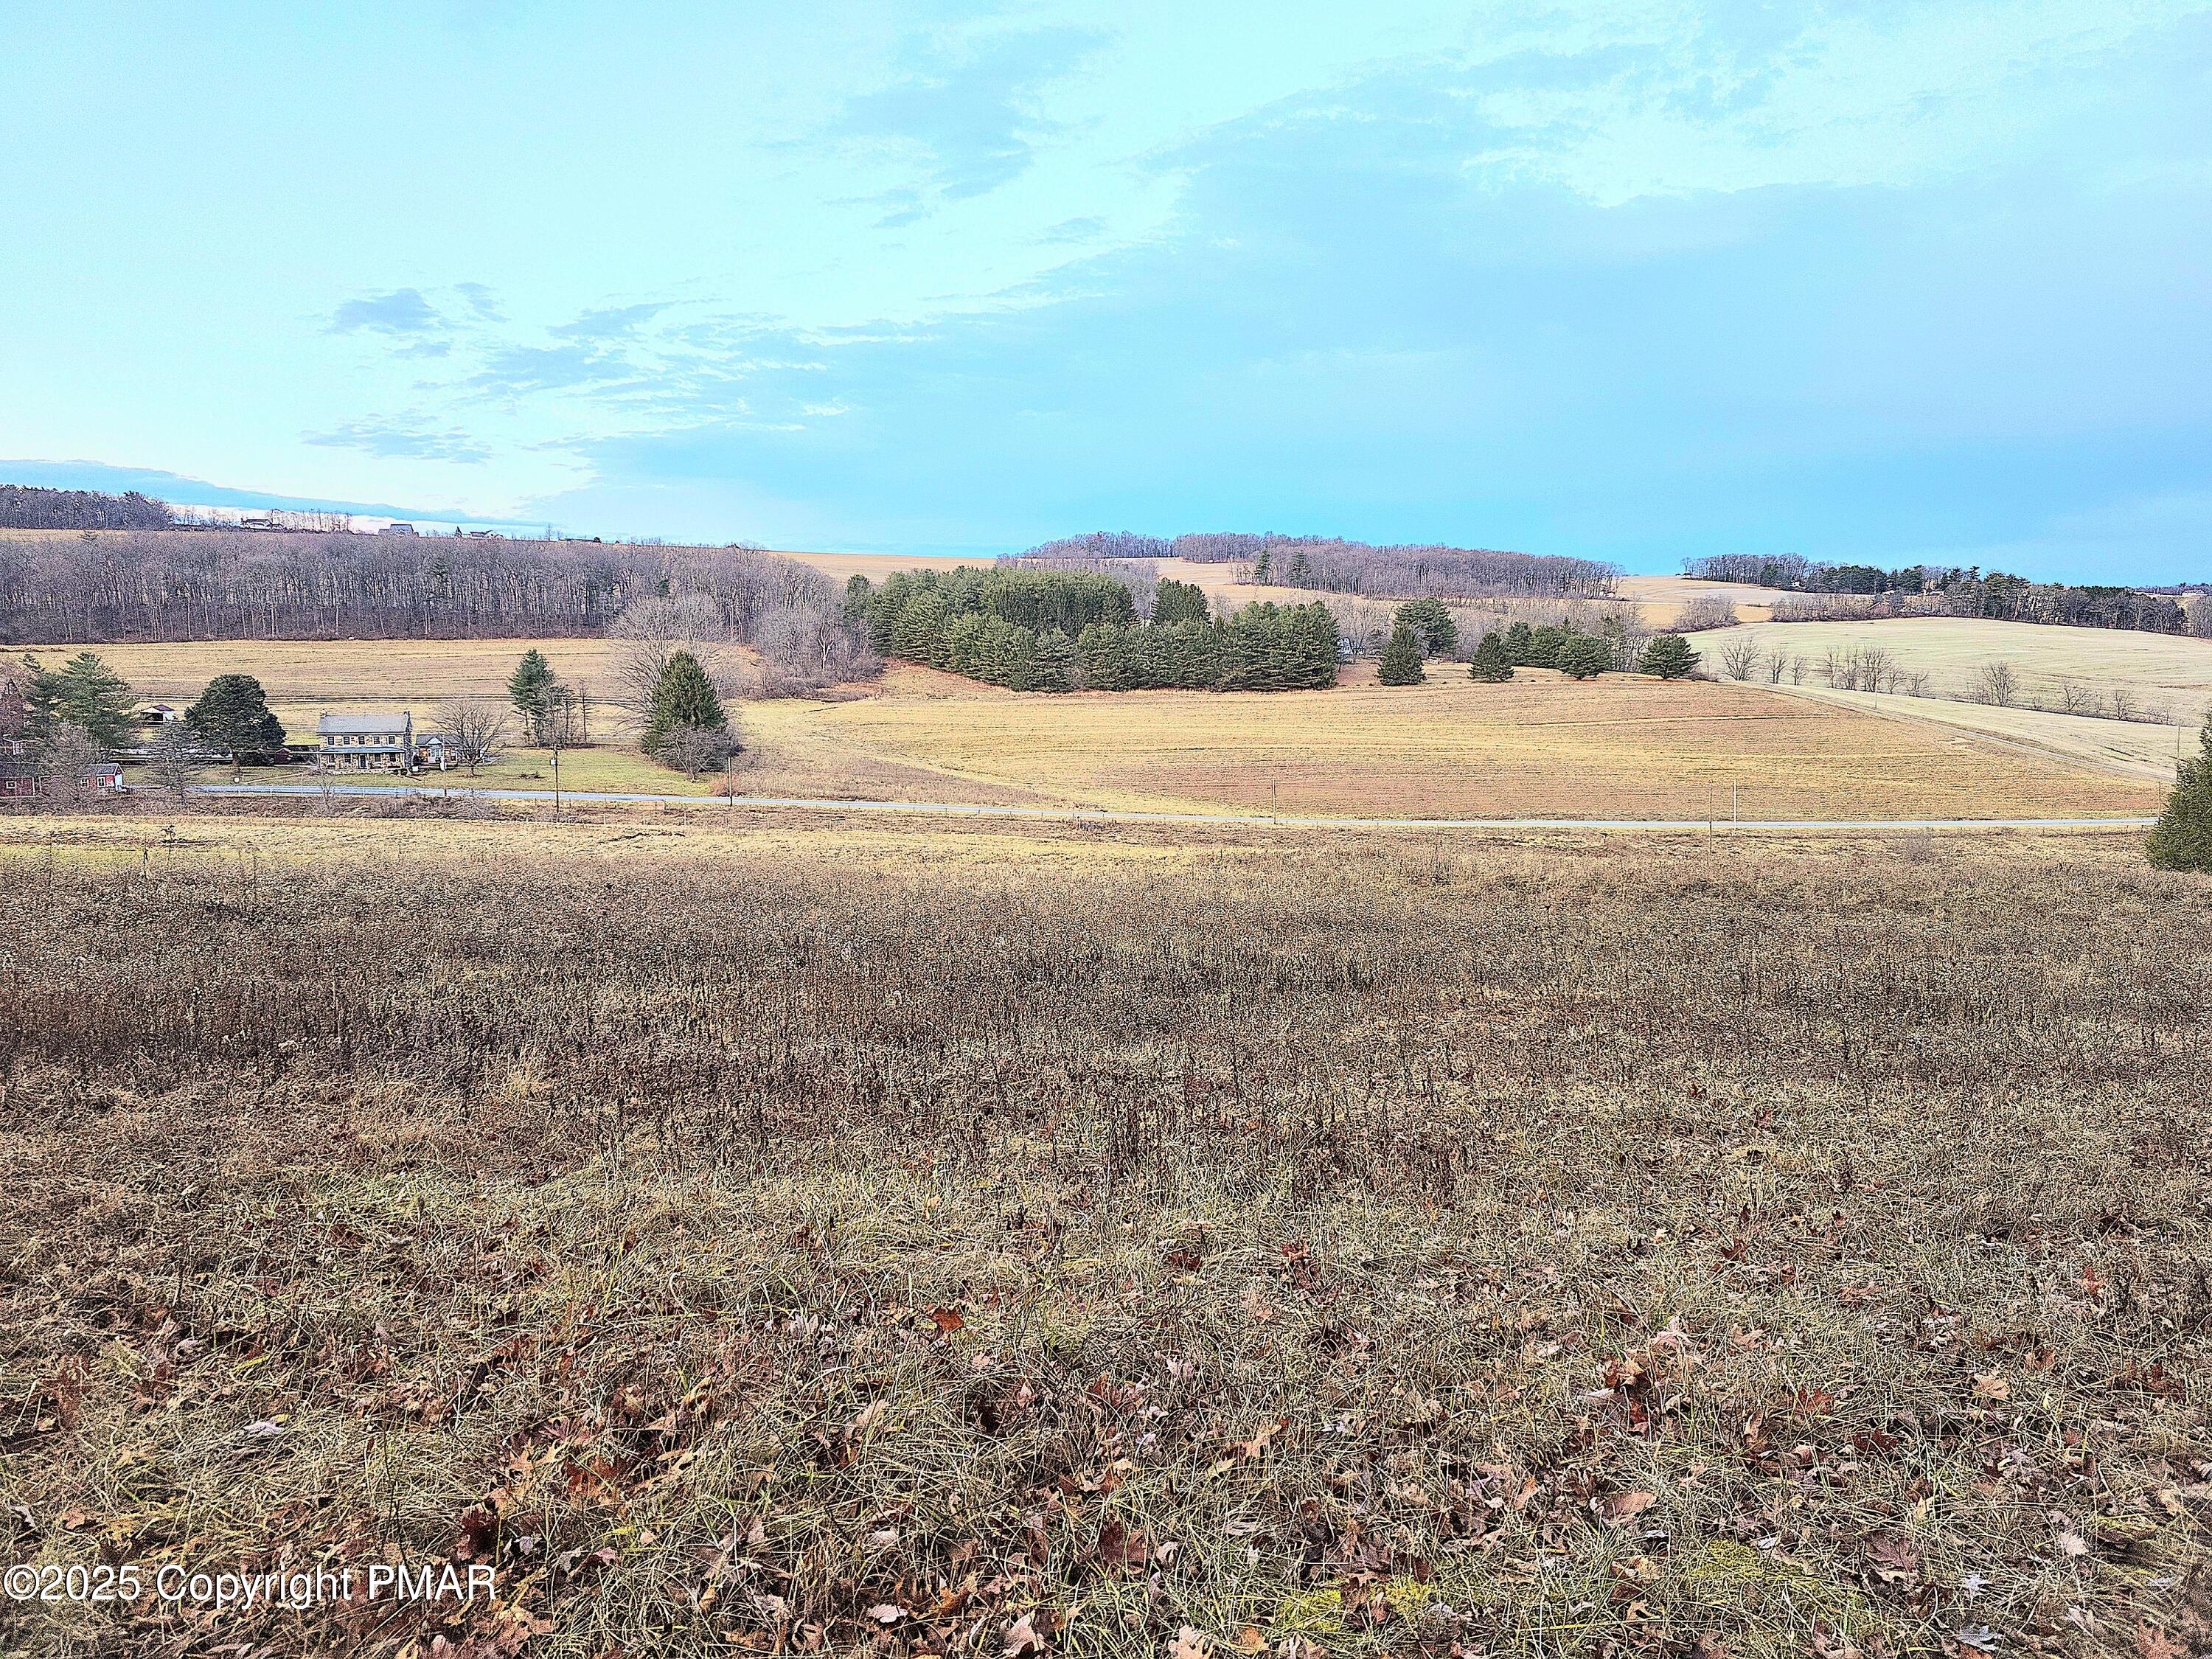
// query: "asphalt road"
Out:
[1099,815]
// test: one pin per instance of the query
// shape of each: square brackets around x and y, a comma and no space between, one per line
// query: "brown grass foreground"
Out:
[1046,1243]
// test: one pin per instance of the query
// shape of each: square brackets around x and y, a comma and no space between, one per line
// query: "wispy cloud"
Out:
[404,311]
[396,441]
[969,113]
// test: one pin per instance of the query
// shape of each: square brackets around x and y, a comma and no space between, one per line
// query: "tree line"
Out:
[1053,630]
[201,585]
[24,507]
[1952,591]
[1332,565]
[1424,628]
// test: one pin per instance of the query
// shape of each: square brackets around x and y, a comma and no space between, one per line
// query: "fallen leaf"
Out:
[1989,1385]
[867,1417]
[1623,1505]
[1250,1640]
[2154,1643]
[884,1614]
[1122,1549]
[1187,1644]
[946,1319]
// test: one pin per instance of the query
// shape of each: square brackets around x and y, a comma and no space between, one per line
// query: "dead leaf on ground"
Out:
[1621,1506]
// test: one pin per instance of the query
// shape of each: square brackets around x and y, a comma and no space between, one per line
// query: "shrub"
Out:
[1490,663]
[2182,837]
[1402,659]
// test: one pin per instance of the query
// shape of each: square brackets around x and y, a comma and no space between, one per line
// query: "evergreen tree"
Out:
[1431,624]
[1260,567]
[2182,837]
[1316,627]
[683,700]
[530,689]
[1583,657]
[1175,602]
[1402,659]
[1490,663]
[1544,645]
[84,692]
[1055,667]
[1520,645]
[1301,570]
[858,591]
[232,717]
[1669,657]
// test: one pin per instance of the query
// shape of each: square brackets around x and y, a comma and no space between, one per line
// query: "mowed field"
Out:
[1060,1243]
[2160,671]
[1619,747]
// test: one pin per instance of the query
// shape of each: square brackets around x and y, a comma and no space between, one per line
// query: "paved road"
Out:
[1099,815]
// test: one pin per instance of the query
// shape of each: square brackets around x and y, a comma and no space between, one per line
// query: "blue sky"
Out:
[1887,282]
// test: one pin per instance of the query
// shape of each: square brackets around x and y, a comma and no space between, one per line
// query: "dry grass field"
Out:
[1662,598]
[1066,1243]
[2132,747]
[1540,746]
[2158,671]
[1619,747]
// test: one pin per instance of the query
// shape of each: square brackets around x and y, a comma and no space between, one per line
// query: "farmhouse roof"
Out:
[365,726]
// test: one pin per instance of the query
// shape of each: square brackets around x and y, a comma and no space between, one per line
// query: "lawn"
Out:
[1075,1242]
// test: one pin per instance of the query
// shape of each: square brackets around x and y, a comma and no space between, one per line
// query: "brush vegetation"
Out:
[1058,1243]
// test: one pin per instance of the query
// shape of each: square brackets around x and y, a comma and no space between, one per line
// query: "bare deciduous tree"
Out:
[471,729]
[1705,613]
[68,766]
[1997,684]
[1740,658]
[172,756]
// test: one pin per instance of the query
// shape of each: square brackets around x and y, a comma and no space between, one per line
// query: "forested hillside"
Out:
[214,584]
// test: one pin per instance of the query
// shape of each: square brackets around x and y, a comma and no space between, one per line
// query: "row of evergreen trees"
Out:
[1424,628]
[1057,630]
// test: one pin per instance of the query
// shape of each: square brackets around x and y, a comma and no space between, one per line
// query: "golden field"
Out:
[1619,747]
[2162,672]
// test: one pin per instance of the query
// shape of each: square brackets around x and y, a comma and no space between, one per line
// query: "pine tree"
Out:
[1402,659]
[2182,837]
[1055,667]
[1583,657]
[1490,663]
[1316,627]
[683,700]
[1431,624]
[1260,567]
[1669,657]
[1520,645]
[1175,602]
[232,717]
[529,689]
[1301,571]
[87,694]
